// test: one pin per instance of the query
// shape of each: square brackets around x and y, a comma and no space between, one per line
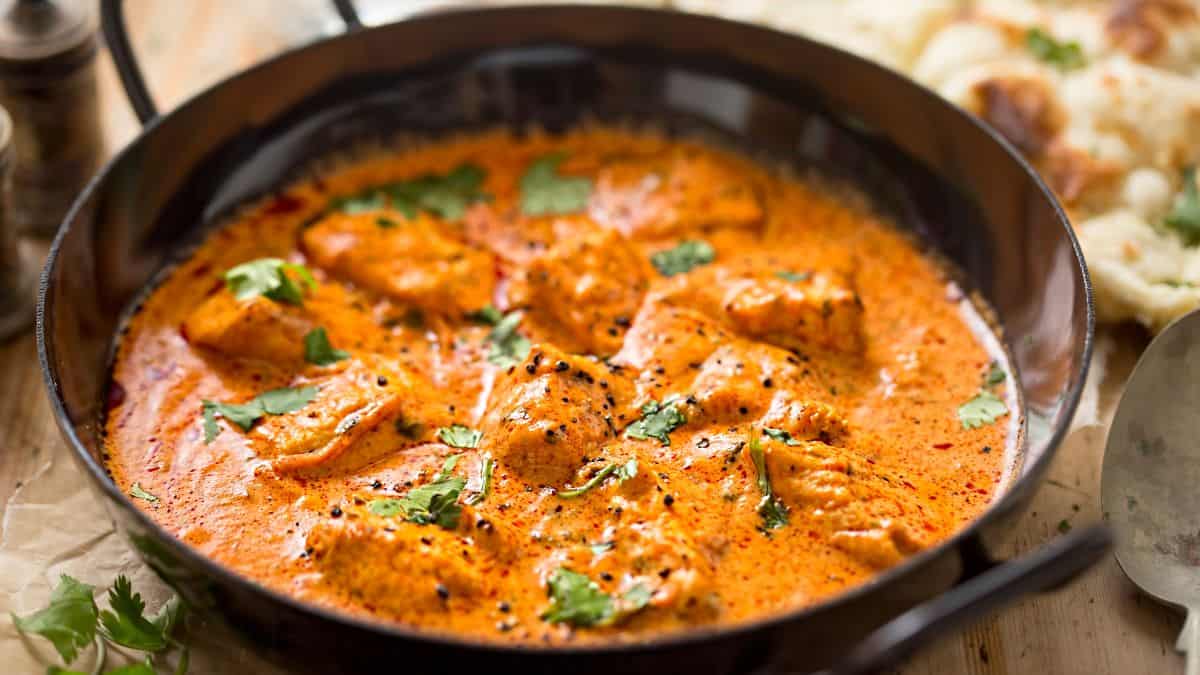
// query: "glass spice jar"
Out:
[48,84]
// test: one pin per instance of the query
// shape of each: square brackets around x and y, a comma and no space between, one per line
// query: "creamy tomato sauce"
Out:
[599,386]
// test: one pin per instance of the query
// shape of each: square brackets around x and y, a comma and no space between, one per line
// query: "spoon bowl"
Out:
[1150,487]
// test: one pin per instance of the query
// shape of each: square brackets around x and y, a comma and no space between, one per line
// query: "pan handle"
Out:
[1044,569]
[112,23]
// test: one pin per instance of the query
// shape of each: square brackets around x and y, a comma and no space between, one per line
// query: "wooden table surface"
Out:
[1099,625]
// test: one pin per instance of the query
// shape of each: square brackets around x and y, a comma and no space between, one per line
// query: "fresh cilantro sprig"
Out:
[622,472]
[318,350]
[271,278]
[138,492]
[657,421]
[459,436]
[683,257]
[508,347]
[244,415]
[772,510]
[545,192]
[433,503]
[72,621]
[487,315]
[446,196]
[984,408]
[577,600]
[1184,218]
[1063,55]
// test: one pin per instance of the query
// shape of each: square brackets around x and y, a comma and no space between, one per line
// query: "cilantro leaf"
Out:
[488,314]
[793,276]
[981,410]
[1185,216]
[623,472]
[385,507]
[486,467]
[459,436]
[270,278]
[126,623]
[995,374]
[779,435]
[1063,55]
[577,600]
[446,196]
[683,258]
[508,346]
[627,470]
[138,493]
[545,192]
[317,349]
[244,415]
[602,547]
[773,511]
[432,503]
[133,669]
[68,622]
[656,422]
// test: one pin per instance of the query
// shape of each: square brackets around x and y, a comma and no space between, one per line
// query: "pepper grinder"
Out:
[48,84]
[16,269]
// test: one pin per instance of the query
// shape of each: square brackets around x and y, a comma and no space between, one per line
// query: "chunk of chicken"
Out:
[410,261]
[870,512]
[548,413]
[658,197]
[583,291]
[669,341]
[256,328]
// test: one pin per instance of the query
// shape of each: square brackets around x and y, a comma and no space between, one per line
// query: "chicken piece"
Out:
[583,291]
[805,420]
[548,413]
[516,238]
[395,565]
[658,197]
[669,341]
[410,261]
[867,510]
[349,407]
[256,328]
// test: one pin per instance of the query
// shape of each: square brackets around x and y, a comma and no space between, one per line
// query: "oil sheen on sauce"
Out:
[698,390]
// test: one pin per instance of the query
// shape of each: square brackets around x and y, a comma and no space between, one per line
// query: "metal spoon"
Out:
[1150,488]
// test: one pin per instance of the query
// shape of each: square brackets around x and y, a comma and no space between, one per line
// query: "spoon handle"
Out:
[1189,642]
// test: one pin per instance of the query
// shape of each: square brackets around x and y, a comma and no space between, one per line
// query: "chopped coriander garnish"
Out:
[386,223]
[623,472]
[985,408]
[794,276]
[1184,218]
[459,436]
[657,421]
[773,511]
[487,314]
[602,547]
[683,258]
[138,492]
[486,467]
[779,435]
[1063,55]
[274,402]
[545,192]
[270,278]
[995,374]
[447,196]
[577,600]
[317,349]
[433,503]
[508,346]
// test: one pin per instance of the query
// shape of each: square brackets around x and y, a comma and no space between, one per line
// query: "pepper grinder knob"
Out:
[17,269]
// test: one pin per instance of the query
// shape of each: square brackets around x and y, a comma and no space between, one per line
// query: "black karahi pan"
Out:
[936,170]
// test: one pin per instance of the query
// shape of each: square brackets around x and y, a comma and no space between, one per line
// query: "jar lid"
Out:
[37,29]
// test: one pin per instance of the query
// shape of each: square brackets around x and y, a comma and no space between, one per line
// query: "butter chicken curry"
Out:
[532,389]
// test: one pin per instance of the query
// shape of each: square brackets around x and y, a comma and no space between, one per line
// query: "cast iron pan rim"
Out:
[227,576]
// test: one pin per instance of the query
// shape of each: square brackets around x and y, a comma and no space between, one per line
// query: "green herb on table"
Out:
[138,493]
[1063,55]
[318,351]
[545,192]
[577,600]
[1184,218]
[657,421]
[68,622]
[444,195]
[772,510]
[434,503]
[686,256]
[1064,526]
[244,415]
[985,408]
[508,347]
[622,472]
[271,278]
[459,436]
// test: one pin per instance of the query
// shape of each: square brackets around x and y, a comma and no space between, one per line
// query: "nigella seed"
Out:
[606,576]
[504,607]
[376,484]
[381,381]
[562,366]
[768,383]
[668,500]
[702,443]
[530,368]
[443,592]
[336,512]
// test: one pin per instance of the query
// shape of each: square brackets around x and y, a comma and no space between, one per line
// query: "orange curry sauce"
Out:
[620,334]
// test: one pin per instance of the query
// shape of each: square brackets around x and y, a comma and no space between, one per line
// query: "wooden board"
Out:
[1098,626]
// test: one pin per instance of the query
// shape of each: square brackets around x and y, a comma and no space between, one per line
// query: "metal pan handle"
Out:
[112,23]
[1044,569]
